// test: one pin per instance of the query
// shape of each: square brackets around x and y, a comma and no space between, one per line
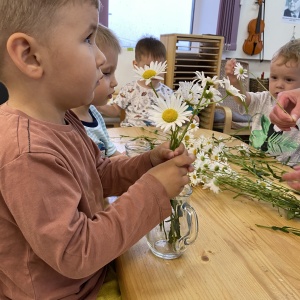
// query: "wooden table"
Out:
[231,258]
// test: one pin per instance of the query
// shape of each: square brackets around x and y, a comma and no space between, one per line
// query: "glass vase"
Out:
[136,147]
[171,238]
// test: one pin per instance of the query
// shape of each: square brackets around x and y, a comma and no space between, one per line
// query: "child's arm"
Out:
[110,110]
[229,71]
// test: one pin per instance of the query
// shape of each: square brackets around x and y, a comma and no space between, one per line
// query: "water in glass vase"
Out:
[170,238]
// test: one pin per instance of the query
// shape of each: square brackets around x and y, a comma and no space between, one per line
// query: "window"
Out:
[131,20]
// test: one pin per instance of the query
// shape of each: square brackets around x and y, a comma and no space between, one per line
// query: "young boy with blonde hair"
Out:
[284,76]
[136,98]
[89,115]
[56,238]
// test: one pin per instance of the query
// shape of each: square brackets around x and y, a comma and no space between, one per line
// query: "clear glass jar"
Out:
[136,147]
[171,238]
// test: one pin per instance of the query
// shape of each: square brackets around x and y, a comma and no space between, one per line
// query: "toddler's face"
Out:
[283,77]
[72,60]
[145,61]
[105,90]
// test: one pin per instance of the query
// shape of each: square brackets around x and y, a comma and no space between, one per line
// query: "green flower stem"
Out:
[153,89]
[177,141]
[174,233]
[285,229]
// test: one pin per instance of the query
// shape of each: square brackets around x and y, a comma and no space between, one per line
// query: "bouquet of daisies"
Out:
[175,114]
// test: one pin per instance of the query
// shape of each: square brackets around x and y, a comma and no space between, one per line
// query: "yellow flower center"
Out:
[170,115]
[148,74]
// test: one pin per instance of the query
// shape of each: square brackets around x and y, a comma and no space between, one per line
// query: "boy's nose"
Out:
[100,58]
[114,82]
[280,83]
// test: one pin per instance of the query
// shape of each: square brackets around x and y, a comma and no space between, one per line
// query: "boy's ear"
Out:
[23,51]
[134,63]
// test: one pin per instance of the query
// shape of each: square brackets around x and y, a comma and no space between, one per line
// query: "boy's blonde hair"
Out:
[105,37]
[289,52]
[32,17]
[150,46]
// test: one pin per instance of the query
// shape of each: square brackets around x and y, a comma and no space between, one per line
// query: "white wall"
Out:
[206,16]
[124,71]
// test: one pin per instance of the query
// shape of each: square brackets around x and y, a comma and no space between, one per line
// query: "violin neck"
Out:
[257,29]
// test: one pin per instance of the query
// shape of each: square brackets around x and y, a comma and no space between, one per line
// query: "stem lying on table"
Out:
[285,229]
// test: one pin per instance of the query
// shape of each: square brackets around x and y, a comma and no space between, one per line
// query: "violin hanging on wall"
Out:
[253,44]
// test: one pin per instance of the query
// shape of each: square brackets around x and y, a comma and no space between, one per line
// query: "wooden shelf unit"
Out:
[188,53]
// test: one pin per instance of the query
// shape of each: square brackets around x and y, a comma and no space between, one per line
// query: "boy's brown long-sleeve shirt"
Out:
[56,237]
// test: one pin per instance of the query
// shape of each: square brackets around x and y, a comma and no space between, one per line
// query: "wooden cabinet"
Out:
[188,53]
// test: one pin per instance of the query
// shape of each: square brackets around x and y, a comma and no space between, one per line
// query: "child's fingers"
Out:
[294,185]
[292,176]
[184,160]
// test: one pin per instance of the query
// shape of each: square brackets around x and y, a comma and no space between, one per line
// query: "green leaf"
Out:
[290,215]
[265,124]
[258,137]
[281,143]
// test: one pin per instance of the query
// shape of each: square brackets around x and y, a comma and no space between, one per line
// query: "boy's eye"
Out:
[89,39]
[289,80]
[106,72]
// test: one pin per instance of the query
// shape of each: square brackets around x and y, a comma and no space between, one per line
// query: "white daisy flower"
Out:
[151,72]
[232,91]
[208,80]
[244,149]
[194,126]
[215,166]
[240,72]
[215,155]
[169,113]
[227,170]
[195,180]
[212,186]
[189,91]
[265,184]
[213,95]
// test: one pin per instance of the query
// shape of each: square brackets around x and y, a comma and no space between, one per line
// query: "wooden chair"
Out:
[206,117]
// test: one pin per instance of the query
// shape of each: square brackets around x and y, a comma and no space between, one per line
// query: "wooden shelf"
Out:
[188,53]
